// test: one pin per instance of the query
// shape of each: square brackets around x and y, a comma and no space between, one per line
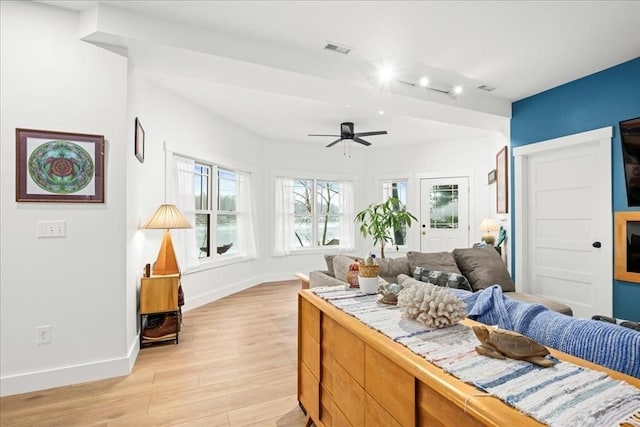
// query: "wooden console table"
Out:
[351,375]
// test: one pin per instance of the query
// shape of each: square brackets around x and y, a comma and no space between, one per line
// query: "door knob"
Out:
[596,244]
[424,233]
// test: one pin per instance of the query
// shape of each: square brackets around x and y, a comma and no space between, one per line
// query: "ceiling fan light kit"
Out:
[347,133]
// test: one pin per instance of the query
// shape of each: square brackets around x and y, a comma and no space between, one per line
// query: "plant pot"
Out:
[368,285]
[368,270]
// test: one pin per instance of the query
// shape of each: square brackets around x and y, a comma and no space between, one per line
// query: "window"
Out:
[397,189]
[443,206]
[221,220]
[313,213]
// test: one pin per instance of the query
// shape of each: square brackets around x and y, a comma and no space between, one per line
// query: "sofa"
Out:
[471,269]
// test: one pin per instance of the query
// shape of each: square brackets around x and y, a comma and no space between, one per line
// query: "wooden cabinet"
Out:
[351,375]
[159,295]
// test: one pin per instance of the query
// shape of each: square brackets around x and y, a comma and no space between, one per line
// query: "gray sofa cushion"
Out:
[329,260]
[390,268]
[341,265]
[483,267]
[440,261]
[442,278]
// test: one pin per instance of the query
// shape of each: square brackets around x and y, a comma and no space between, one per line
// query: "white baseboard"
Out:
[41,380]
[206,298]
[99,370]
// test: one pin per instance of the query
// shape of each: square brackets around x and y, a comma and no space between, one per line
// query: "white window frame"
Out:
[348,239]
[383,197]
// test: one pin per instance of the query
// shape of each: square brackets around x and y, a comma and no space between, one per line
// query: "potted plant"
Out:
[381,220]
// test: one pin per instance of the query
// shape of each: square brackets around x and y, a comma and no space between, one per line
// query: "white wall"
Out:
[51,80]
[85,285]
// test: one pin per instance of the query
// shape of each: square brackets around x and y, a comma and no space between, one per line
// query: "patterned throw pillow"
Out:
[442,278]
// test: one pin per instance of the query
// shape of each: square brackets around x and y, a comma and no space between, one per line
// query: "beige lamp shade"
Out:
[488,225]
[166,217]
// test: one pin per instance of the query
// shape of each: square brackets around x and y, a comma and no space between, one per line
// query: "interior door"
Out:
[566,235]
[444,214]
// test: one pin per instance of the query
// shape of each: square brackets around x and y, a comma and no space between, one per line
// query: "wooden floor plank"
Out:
[235,365]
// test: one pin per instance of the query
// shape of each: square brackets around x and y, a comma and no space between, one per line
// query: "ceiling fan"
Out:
[346,132]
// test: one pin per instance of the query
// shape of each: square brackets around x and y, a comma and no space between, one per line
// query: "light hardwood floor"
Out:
[235,366]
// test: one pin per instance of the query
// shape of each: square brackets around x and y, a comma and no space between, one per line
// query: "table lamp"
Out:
[167,217]
[487,226]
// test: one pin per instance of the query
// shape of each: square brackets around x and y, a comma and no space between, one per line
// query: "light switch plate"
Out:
[57,228]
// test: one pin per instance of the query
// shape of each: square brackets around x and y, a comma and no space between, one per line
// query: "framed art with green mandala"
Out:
[59,167]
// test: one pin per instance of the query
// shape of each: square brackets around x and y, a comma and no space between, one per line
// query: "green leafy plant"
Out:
[381,220]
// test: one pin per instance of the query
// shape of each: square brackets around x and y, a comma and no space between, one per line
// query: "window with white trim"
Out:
[223,212]
[397,188]
[313,213]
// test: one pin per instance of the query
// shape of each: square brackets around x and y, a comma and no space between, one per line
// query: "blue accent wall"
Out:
[592,102]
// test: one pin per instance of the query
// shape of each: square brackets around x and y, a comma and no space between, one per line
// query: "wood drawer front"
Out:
[310,353]
[330,414]
[391,386]
[309,318]
[376,416]
[158,294]
[347,394]
[435,410]
[308,391]
[346,348]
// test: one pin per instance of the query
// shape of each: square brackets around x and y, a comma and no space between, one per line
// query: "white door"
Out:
[444,214]
[565,234]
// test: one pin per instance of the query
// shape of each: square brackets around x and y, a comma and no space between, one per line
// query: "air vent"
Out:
[337,48]
[486,88]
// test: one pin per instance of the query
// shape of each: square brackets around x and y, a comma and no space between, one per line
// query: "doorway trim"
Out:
[521,155]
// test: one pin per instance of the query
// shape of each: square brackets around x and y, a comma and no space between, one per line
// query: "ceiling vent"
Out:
[337,48]
[486,88]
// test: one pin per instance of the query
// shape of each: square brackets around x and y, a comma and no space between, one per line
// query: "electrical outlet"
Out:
[43,334]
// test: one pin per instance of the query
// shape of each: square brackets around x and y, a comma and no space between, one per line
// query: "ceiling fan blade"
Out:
[334,142]
[361,141]
[377,132]
[315,134]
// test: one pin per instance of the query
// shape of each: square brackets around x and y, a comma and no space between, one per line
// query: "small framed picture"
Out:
[491,178]
[139,141]
[59,167]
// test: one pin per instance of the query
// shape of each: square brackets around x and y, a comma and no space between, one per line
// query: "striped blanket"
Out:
[563,395]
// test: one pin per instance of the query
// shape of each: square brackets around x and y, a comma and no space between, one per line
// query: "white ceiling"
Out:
[519,47]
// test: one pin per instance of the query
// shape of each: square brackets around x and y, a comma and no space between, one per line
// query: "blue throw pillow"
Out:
[442,278]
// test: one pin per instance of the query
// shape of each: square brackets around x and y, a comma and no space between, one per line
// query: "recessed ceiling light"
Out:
[423,82]
[386,74]
[457,90]
[381,112]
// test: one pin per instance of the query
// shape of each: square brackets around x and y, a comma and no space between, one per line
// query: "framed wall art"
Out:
[59,167]
[139,141]
[502,188]
[627,246]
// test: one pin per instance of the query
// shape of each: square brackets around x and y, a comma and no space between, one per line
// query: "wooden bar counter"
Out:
[352,375]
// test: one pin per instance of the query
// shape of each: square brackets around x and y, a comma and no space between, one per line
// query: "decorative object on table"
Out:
[166,217]
[431,305]
[368,278]
[382,220]
[502,188]
[488,226]
[500,343]
[389,293]
[138,145]
[352,275]
[59,167]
